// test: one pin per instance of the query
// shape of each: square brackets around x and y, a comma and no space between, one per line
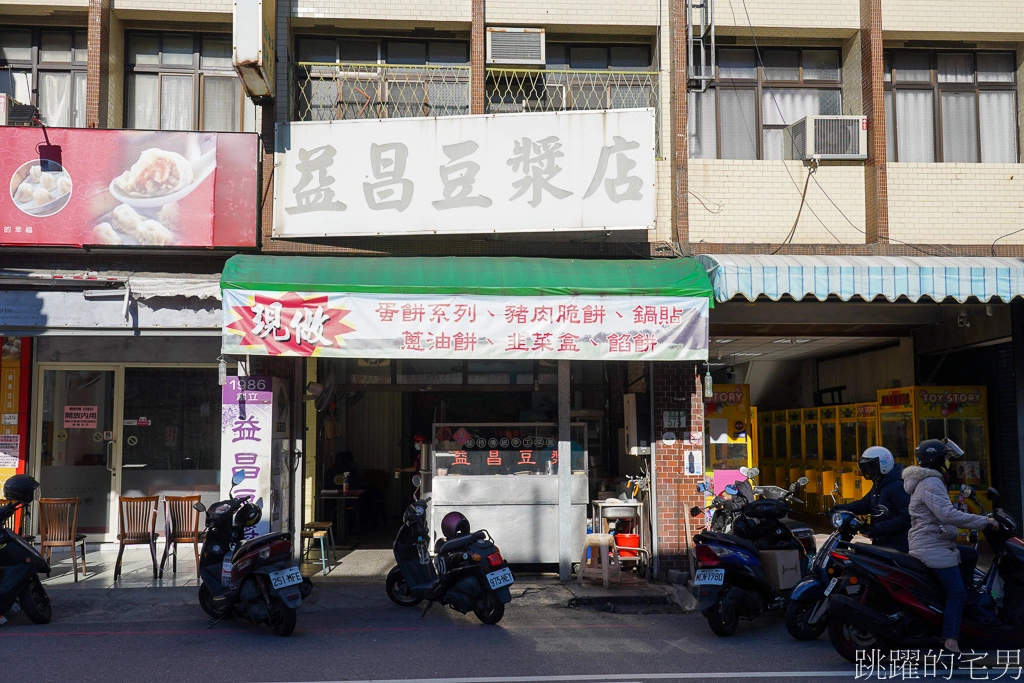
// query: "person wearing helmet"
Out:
[933,532]
[886,475]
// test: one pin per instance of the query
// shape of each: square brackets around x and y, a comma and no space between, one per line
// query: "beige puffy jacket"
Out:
[933,519]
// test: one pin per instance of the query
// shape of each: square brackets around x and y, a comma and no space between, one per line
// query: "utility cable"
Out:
[803,201]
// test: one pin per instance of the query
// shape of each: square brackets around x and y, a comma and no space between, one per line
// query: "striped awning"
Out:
[864,277]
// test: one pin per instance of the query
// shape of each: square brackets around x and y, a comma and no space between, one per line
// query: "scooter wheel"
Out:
[35,602]
[282,618]
[848,640]
[797,614]
[490,610]
[398,589]
[722,617]
[205,598]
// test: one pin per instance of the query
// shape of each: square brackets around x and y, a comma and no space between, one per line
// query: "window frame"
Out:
[760,84]
[196,70]
[936,87]
[34,66]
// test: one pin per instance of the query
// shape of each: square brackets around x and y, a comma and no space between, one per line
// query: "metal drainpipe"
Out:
[653,497]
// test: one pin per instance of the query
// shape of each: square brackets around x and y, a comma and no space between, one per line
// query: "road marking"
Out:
[618,678]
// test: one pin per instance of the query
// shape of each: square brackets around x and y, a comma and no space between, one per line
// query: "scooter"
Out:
[467,572]
[731,582]
[20,563]
[884,600]
[257,579]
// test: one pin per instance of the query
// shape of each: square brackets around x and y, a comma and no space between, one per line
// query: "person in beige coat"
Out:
[934,524]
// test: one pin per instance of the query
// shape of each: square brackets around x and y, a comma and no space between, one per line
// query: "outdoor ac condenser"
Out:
[827,137]
[515,46]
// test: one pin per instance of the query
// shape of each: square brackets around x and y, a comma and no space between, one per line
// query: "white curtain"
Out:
[794,104]
[738,123]
[78,103]
[959,127]
[890,128]
[915,125]
[143,101]
[998,127]
[55,98]
[222,99]
[176,103]
[701,124]
[17,84]
[956,68]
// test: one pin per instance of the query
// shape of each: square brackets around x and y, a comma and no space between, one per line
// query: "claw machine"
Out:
[781,433]
[766,446]
[729,435]
[858,429]
[811,424]
[795,436]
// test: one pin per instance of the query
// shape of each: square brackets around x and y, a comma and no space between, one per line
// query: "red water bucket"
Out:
[627,541]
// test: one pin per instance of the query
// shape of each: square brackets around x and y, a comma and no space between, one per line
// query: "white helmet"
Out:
[876,462]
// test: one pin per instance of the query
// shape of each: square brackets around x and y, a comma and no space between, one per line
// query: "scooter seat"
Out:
[461,542]
[727,539]
[904,560]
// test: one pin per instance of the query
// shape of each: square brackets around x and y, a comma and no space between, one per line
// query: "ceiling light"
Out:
[746,354]
[803,341]
[783,341]
[724,341]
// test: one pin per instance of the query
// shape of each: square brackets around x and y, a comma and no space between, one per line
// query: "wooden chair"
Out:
[18,522]
[58,528]
[181,526]
[137,517]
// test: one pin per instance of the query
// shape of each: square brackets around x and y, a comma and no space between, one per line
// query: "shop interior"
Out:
[825,380]
[378,409]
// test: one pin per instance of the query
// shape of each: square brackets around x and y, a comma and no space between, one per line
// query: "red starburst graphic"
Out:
[290,325]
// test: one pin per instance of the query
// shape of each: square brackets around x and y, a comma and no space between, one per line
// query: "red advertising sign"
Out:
[127,188]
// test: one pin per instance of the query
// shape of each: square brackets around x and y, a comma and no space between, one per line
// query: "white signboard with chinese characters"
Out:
[462,326]
[246,434]
[538,172]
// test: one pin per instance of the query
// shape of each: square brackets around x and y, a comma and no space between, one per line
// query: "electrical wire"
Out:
[1009,234]
[803,201]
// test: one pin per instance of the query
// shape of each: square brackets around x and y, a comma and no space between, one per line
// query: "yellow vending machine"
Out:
[727,426]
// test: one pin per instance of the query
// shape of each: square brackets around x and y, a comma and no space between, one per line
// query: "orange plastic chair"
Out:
[137,516]
[58,528]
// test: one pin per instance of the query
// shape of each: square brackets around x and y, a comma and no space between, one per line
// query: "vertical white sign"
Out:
[246,437]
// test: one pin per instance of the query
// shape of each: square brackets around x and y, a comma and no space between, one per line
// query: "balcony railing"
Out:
[327,92]
[528,90]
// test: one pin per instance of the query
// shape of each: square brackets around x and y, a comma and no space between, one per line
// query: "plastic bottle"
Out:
[344,484]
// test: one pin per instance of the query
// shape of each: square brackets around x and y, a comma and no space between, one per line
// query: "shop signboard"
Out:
[537,172]
[246,436]
[127,188]
[254,53]
[348,325]
[727,422]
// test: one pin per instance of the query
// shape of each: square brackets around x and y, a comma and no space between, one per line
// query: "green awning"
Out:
[494,276]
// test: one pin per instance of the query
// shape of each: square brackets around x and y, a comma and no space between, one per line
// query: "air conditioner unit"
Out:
[827,137]
[518,46]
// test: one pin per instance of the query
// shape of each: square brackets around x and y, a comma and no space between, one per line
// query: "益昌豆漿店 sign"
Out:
[544,172]
[127,188]
[246,435]
[455,326]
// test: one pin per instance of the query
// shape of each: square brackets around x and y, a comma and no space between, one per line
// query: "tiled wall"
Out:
[569,12]
[757,201]
[794,17]
[428,11]
[997,17]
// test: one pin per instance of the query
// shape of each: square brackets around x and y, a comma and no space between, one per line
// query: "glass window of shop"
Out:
[46,68]
[951,106]
[171,439]
[184,81]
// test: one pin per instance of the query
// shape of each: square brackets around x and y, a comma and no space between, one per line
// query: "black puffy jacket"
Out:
[890,530]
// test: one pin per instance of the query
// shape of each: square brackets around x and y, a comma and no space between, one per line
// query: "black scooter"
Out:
[467,572]
[256,580]
[20,563]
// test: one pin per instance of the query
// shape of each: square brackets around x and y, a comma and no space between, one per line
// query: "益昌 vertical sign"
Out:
[246,431]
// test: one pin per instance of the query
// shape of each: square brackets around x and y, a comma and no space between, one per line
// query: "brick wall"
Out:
[677,386]
[756,201]
[115,73]
[876,209]
[956,203]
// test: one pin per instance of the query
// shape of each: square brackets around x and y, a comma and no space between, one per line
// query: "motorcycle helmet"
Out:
[414,514]
[454,524]
[932,454]
[248,515]
[876,462]
[20,488]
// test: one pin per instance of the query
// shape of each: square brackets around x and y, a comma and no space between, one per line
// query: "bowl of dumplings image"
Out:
[41,187]
[160,176]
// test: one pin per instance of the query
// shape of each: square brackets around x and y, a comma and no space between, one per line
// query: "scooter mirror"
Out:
[238,478]
[992,494]
[259,502]
[702,487]
[802,481]
[744,471]
[199,507]
[416,480]
[696,511]
[752,472]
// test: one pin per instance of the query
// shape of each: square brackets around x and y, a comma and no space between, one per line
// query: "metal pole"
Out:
[1017,332]
[564,474]
[652,495]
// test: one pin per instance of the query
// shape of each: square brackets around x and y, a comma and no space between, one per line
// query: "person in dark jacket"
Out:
[890,530]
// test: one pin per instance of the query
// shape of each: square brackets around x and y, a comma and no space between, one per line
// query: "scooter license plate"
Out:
[831,585]
[286,577]
[709,577]
[500,578]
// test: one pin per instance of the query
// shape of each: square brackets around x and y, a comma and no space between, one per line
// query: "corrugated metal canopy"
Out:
[864,277]
[492,276]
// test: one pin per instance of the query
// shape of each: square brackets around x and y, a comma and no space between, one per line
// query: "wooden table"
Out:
[342,498]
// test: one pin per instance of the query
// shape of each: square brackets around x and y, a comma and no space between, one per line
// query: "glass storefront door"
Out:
[78,430]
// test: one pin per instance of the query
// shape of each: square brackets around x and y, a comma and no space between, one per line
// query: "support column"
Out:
[876,183]
[564,474]
[98,73]
[1013,478]
[678,141]
[677,387]
[266,199]
[478,53]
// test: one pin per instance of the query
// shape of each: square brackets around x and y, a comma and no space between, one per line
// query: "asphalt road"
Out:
[355,634]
